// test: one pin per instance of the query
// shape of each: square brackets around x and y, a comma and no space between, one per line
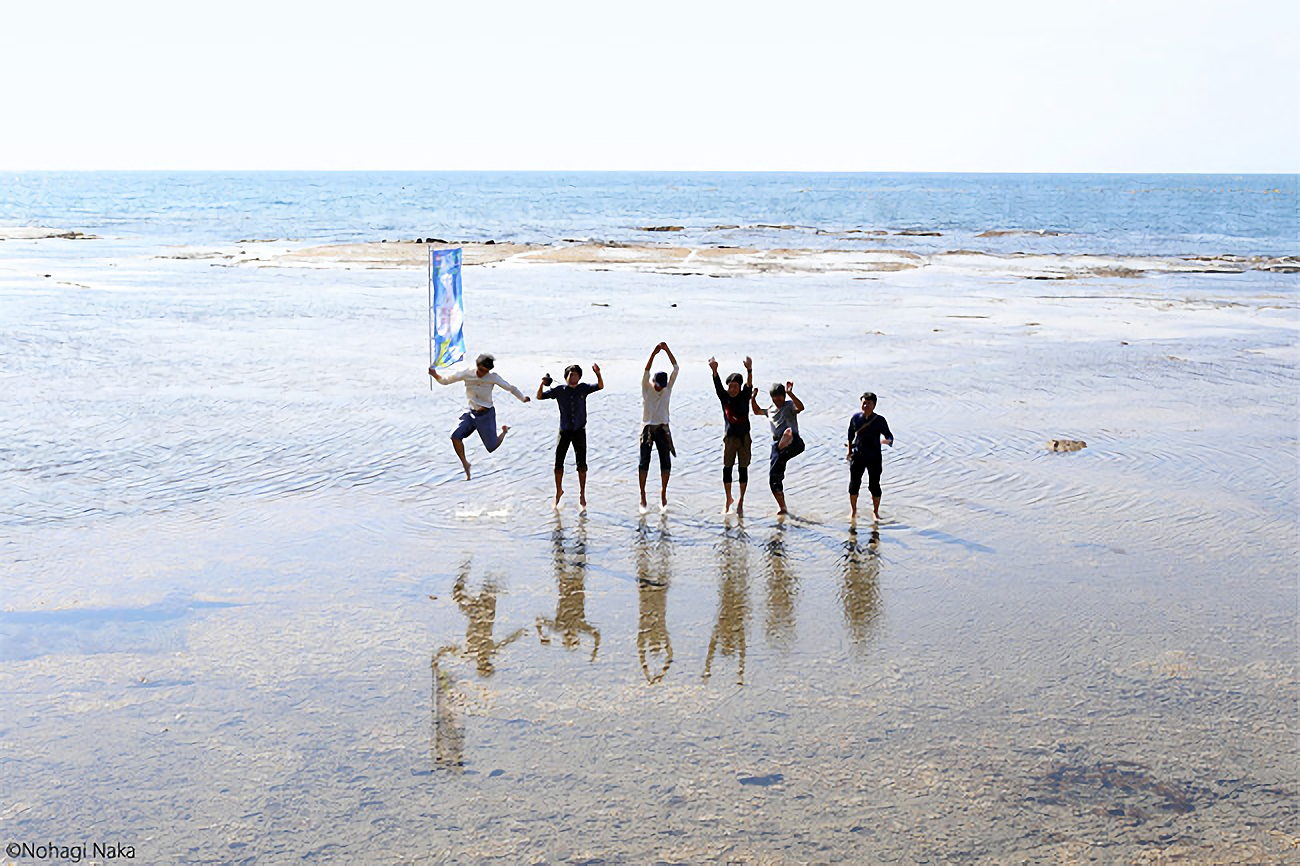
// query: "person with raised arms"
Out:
[572,400]
[655,394]
[786,443]
[735,399]
[482,415]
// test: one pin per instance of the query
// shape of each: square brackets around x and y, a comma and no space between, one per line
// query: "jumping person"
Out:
[786,443]
[572,400]
[482,415]
[867,431]
[735,401]
[655,394]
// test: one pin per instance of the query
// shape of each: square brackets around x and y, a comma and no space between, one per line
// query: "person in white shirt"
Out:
[482,415]
[655,394]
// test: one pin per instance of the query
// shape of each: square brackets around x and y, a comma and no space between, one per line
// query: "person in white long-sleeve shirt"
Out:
[482,415]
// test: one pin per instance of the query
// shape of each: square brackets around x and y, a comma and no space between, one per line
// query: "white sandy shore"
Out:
[37,233]
[736,261]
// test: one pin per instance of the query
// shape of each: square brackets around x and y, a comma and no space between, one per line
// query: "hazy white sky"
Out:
[1003,85]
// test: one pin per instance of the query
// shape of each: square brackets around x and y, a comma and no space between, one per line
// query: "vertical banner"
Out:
[446,309]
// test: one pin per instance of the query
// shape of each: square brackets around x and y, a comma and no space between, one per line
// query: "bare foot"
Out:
[502,436]
[465,464]
[559,491]
[740,508]
[727,510]
[582,499]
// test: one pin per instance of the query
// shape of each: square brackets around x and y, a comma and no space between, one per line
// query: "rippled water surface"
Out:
[253,613]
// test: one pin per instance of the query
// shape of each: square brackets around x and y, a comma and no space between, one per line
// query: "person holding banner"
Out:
[482,415]
[572,400]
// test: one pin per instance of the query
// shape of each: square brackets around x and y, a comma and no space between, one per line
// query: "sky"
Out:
[804,85]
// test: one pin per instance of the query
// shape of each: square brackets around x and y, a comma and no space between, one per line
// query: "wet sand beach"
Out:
[253,613]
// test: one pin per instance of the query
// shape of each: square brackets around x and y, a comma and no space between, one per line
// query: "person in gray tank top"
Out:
[786,442]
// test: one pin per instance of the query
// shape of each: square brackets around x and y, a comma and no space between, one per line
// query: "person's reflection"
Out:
[448,730]
[570,621]
[481,612]
[653,566]
[782,590]
[451,697]
[860,593]
[733,607]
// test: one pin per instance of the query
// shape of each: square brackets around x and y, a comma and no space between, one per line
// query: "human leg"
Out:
[458,435]
[486,424]
[873,485]
[729,453]
[744,456]
[856,468]
[643,463]
[776,473]
[665,464]
[580,455]
[561,450]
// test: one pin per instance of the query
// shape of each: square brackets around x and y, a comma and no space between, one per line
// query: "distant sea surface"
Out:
[1142,215]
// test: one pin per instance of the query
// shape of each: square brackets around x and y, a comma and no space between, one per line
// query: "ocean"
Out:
[1160,215]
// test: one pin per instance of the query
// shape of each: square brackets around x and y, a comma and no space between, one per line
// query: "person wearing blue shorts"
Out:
[482,415]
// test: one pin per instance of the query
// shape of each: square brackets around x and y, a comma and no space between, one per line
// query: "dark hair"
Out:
[777,388]
[572,368]
[869,395]
[486,361]
[661,379]
[735,377]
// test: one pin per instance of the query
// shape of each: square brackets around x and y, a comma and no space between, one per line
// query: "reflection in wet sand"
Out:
[782,592]
[448,729]
[451,697]
[860,592]
[653,566]
[570,621]
[733,606]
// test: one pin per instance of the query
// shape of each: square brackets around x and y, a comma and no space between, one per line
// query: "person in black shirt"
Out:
[866,432]
[572,400]
[735,436]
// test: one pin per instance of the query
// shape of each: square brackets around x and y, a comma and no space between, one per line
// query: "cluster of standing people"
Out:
[867,431]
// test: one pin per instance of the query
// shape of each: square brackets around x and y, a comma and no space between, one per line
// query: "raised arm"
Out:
[541,386]
[600,386]
[672,377]
[649,361]
[789,391]
[749,373]
[753,402]
[717,382]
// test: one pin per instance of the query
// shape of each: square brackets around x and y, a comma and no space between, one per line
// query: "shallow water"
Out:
[252,612]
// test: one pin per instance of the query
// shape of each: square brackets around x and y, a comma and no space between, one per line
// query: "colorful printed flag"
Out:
[446,308]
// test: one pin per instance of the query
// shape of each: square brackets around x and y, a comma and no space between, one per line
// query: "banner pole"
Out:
[431,314]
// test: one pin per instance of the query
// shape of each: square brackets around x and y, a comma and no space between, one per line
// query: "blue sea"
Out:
[1157,215]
